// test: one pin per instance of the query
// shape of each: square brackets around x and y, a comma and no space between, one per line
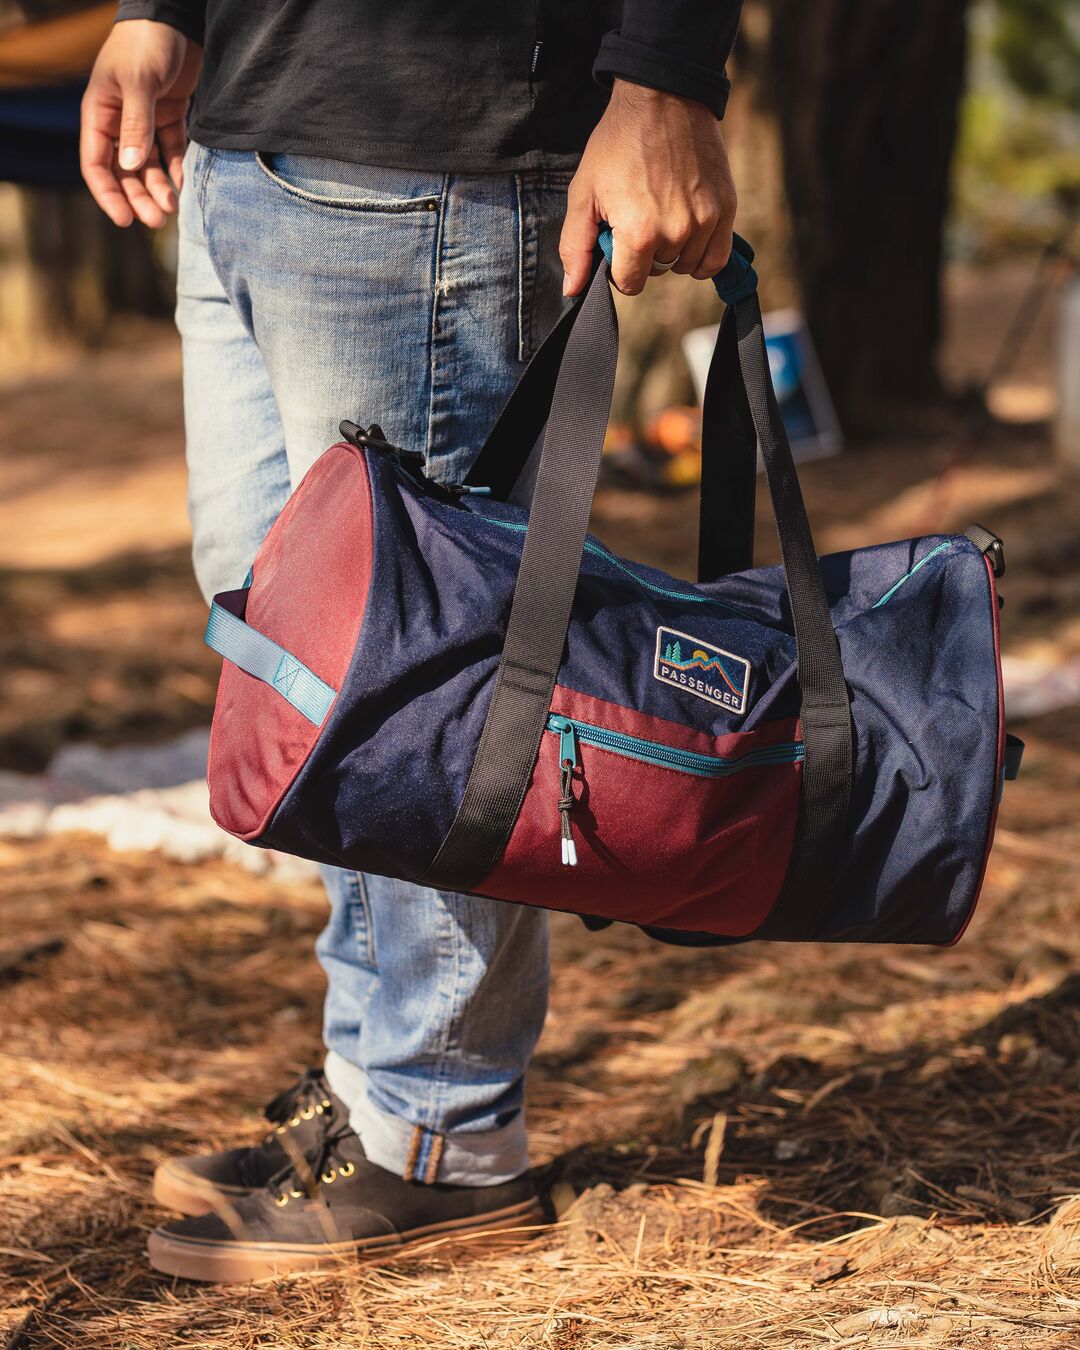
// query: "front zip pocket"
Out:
[572,733]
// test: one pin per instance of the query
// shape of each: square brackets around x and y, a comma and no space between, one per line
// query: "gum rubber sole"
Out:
[235,1262]
[176,1188]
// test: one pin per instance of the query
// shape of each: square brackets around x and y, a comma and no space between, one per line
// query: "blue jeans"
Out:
[310,290]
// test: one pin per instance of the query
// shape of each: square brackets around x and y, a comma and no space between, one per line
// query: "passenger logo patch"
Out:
[708,672]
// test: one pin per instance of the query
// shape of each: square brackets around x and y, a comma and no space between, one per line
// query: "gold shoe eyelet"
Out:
[319,1109]
[346,1169]
[280,1129]
[297,1195]
[328,1177]
[326,1103]
[294,1122]
[307,1113]
[281,1200]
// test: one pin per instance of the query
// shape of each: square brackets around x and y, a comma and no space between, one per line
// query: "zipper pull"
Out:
[567,765]
[566,805]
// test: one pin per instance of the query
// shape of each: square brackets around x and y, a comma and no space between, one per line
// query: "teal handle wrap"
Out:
[257,654]
[734,282]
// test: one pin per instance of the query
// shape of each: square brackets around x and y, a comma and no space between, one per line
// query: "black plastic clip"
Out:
[374,438]
[987,542]
[412,463]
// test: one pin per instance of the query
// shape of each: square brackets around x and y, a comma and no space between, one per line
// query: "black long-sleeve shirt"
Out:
[466,85]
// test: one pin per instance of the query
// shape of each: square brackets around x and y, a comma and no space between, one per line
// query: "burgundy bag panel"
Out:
[308,593]
[655,845]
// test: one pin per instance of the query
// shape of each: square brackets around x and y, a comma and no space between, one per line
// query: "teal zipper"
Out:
[665,756]
[690,597]
[570,733]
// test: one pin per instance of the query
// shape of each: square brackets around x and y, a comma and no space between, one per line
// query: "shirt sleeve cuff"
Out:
[189,19]
[660,70]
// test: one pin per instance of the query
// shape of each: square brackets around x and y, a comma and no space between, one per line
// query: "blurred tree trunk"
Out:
[867,95]
[81,269]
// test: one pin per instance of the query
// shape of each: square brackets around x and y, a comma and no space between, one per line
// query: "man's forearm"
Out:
[679,46]
[187,16]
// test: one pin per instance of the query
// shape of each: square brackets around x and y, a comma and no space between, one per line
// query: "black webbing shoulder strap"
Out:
[512,439]
[824,709]
[543,596]
[729,454]
[740,412]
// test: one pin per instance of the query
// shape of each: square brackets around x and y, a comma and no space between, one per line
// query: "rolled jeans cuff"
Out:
[459,1158]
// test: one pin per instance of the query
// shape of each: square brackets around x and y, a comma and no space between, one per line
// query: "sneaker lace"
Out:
[321,1167]
[309,1088]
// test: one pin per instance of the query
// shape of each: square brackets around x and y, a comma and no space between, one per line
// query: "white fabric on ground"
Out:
[138,798]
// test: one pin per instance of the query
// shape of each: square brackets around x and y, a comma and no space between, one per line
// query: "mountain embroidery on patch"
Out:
[702,670]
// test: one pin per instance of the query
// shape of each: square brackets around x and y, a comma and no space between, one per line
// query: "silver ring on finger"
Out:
[658,268]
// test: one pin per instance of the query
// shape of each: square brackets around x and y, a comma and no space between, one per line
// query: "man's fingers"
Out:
[633,251]
[109,195]
[692,252]
[158,185]
[172,142]
[136,138]
[99,123]
[96,161]
[144,206]
[580,231]
[716,253]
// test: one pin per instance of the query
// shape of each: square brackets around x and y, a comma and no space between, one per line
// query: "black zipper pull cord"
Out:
[566,805]
[567,764]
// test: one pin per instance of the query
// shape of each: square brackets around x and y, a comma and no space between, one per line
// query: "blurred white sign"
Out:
[801,392]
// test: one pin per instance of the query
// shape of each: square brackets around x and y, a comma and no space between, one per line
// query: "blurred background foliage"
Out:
[1018,163]
[1038,44]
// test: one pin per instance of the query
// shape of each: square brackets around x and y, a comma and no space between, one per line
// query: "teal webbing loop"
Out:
[258,655]
[734,282]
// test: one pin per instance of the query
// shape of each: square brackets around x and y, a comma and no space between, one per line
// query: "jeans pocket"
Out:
[541,210]
[340,185]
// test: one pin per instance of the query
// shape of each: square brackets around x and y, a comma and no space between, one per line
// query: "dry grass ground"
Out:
[760,1147]
[813,1090]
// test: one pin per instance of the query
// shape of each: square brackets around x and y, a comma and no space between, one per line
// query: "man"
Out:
[370,227]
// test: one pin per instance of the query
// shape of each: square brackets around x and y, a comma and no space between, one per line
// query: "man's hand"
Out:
[133,120]
[657,171]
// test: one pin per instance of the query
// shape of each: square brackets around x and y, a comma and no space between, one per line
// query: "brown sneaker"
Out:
[336,1208]
[301,1117]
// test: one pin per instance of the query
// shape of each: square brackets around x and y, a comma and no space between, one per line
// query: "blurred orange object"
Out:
[682,469]
[675,430]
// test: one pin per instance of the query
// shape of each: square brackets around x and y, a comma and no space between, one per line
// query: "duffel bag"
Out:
[457,685]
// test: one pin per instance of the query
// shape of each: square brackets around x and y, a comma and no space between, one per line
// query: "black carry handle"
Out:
[739,399]
[508,461]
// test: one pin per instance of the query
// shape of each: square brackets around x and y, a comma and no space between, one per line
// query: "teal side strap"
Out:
[735,280]
[259,656]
